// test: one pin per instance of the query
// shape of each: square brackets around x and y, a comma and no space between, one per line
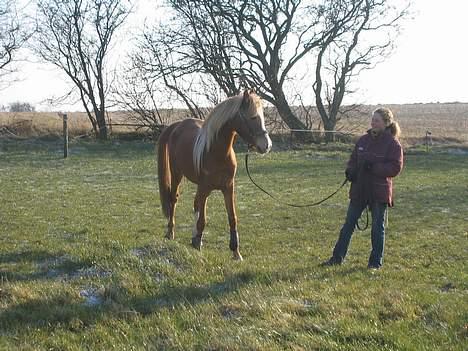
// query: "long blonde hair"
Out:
[389,120]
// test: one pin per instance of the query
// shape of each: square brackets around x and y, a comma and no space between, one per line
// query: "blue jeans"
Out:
[377,232]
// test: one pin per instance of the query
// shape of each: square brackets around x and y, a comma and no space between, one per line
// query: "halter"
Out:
[249,129]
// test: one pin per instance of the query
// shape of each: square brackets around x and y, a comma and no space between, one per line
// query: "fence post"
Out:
[65,135]
[428,140]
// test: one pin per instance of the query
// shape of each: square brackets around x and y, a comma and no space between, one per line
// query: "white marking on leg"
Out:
[194,230]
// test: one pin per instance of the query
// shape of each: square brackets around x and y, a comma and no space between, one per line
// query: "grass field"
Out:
[83,262]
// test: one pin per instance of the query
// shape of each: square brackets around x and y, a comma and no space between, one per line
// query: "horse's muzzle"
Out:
[263,143]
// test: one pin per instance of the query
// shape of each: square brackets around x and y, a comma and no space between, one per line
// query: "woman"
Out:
[376,159]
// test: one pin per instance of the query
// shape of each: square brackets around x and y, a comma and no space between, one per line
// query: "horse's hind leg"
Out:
[199,207]
[175,182]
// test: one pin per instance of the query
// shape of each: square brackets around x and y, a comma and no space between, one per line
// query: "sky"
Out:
[429,64]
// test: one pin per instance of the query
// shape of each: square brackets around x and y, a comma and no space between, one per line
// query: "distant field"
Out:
[448,123]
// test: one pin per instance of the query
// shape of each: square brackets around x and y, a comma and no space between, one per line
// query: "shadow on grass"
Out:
[38,265]
[29,255]
[65,312]
[49,313]
[173,296]
[42,152]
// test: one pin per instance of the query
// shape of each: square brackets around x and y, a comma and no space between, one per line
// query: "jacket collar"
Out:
[371,132]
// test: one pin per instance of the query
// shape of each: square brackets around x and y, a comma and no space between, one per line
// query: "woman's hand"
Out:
[350,175]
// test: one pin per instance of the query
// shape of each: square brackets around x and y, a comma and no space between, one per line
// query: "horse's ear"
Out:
[251,91]
[246,97]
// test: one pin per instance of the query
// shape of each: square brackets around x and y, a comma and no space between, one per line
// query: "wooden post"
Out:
[65,135]
[428,140]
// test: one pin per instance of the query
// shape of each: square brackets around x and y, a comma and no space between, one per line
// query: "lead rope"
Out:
[304,205]
[367,221]
[289,204]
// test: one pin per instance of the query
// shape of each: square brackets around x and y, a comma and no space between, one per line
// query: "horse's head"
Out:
[251,126]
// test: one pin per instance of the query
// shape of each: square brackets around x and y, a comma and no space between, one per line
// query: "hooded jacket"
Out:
[374,161]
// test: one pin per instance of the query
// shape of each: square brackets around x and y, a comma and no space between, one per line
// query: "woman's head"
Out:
[382,118]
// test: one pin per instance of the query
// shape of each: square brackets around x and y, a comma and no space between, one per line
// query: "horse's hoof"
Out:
[237,256]
[197,243]
[170,235]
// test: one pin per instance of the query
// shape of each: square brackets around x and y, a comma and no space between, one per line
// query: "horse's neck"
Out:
[224,141]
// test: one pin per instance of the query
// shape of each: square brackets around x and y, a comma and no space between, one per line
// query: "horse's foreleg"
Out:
[229,201]
[200,218]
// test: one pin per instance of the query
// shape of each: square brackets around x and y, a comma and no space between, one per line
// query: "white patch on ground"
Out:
[138,252]
[90,272]
[457,151]
[92,297]
[163,255]
[159,277]
[49,264]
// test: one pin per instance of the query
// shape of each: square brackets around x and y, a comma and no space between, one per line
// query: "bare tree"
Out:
[163,64]
[76,36]
[246,43]
[137,95]
[210,41]
[190,54]
[272,38]
[363,40]
[13,35]
[237,43]
[262,43]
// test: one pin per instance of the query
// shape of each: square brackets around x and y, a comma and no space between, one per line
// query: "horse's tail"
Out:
[164,170]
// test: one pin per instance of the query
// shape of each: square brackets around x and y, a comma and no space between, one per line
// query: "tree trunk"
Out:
[286,113]
[329,125]
[101,121]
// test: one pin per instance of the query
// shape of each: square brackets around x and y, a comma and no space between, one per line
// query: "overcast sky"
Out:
[428,65]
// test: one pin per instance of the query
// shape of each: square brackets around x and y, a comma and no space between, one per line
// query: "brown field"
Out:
[448,122]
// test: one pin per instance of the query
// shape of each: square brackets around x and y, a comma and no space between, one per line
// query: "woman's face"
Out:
[377,121]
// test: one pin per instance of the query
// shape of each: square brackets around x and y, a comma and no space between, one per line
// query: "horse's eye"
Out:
[254,117]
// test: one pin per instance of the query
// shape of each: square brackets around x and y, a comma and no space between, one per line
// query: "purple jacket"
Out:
[374,162]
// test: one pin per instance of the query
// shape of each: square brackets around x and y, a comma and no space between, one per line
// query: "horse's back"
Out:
[184,133]
[181,143]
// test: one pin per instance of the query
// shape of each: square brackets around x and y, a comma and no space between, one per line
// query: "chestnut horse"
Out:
[202,151]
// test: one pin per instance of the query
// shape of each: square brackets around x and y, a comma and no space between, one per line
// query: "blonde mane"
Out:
[216,119]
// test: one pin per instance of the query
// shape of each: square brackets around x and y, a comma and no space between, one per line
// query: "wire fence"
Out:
[422,124]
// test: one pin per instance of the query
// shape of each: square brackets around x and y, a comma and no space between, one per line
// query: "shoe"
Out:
[374,266]
[333,261]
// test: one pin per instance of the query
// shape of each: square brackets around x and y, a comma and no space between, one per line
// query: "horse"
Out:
[202,151]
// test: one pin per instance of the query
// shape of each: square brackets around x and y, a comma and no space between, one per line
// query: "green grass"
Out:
[89,229]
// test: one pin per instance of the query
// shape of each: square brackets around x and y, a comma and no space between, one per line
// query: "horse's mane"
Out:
[216,119]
